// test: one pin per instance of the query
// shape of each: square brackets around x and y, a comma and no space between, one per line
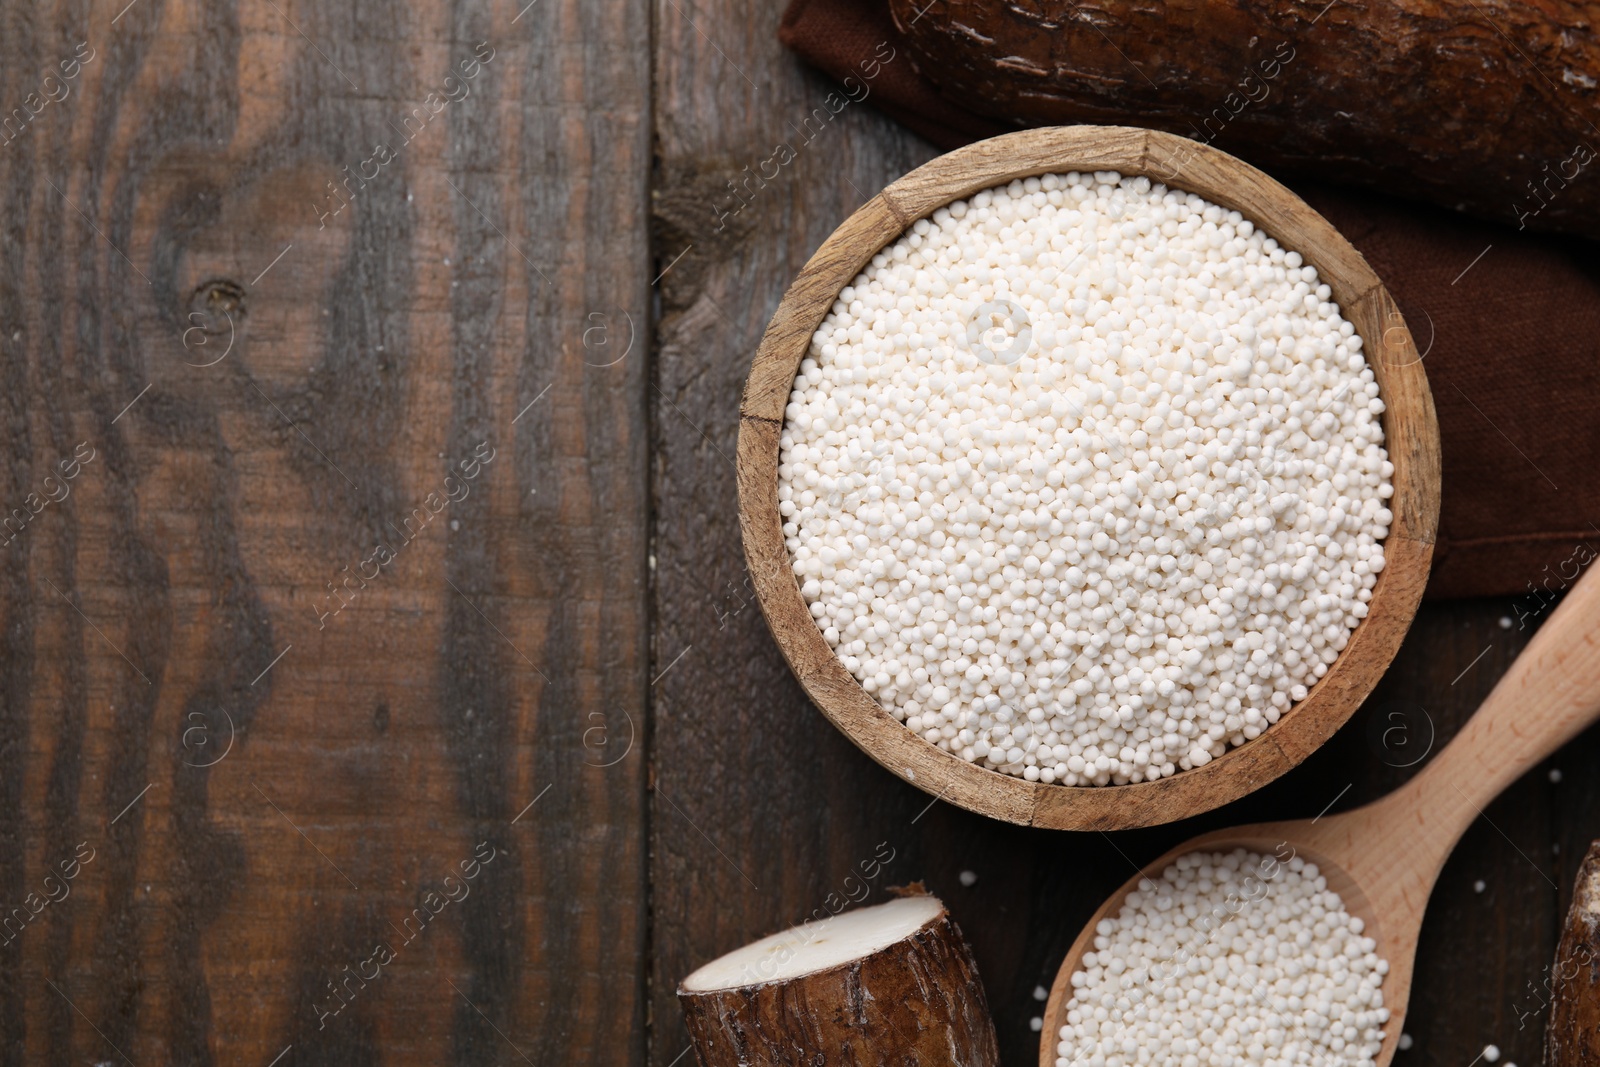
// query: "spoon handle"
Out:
[1550,694]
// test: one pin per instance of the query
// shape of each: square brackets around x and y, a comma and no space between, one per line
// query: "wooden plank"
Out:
[285,347]
[764,814]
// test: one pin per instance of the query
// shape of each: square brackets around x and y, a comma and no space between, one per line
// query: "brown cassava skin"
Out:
[915,1002]
[1428,99]
[1573,1036]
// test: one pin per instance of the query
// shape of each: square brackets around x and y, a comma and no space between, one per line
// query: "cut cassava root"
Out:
[1572,1038]
[1487,106]
[892,985]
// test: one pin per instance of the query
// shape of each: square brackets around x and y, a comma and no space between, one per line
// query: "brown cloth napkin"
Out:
[1510,325]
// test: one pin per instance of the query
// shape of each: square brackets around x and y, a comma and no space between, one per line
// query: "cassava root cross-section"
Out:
[892,985]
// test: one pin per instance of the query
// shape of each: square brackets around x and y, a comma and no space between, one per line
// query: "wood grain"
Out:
[1410,426]
[281,750]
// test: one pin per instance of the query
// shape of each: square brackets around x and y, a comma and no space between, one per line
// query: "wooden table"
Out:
[386,671]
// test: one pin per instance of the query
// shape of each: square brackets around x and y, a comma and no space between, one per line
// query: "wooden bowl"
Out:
[1411,435]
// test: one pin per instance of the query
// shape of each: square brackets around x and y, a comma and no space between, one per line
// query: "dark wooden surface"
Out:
[268,789]
[388,743]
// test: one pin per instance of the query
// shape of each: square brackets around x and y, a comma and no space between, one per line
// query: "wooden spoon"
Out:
[1384,858]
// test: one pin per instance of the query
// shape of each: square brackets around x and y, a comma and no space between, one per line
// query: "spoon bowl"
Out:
[1383,859]
[1306,839]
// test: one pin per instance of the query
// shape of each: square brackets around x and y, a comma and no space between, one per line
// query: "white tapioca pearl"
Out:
[1191,420]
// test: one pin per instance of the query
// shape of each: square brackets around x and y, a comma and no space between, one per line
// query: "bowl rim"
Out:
[1411,436]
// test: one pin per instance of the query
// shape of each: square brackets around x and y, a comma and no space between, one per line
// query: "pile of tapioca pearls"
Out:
[1228,960]
[1083,479]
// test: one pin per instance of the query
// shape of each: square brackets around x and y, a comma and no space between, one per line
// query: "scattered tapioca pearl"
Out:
[1228,958]
[1404,1044]
[1491,1053]
[968,879]
[1555,774]
[1479,886]
[1041,993]
[1036,1024]
[1083,479]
